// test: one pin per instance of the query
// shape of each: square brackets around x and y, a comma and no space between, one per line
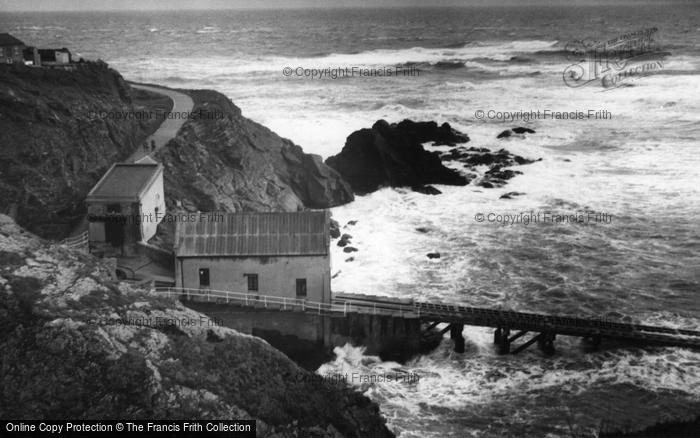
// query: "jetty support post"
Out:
[456,336]
[502,339]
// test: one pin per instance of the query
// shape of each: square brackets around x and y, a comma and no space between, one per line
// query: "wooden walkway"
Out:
[509,325]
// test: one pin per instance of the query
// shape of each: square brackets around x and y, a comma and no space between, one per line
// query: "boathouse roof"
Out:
[125,182]
[253,234]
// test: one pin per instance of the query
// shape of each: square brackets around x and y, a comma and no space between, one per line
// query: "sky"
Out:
[81,5]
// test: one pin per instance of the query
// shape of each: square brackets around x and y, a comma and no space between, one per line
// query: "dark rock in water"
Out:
[350,259]
[519,130]
[336,275]
[510,195]
[423,229]
[334,229]
[349,249]
[485,184]
[433,255]
[344,240]
[505,134]
[426,190]
[520,160]
[423,132]
[484,157]
[392,155]
[498,172]
[353,222]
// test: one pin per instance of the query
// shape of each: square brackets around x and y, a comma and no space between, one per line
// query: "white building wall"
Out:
[152,202]
[62,57]
[276,275]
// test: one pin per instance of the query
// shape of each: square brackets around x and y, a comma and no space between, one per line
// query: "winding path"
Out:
[182,103]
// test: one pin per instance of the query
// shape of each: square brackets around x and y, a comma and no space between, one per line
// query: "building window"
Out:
[252,282]
[301,287]
[203,277]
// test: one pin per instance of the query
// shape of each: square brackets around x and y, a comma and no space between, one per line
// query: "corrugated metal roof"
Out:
[124,180]
[255,234]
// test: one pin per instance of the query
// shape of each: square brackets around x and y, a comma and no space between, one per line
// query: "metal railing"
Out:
[284,303]
[79,241]
[435,311]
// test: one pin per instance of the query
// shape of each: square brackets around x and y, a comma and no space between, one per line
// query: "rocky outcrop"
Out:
[59,132]
[511,195]
[519,130]
[426,190]
[231,163]
[76,343]
[496,175]
[393,155]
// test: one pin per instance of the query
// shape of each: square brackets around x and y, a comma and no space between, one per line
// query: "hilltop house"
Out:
[54,56]
[279,254]
[125,207]
[11,49]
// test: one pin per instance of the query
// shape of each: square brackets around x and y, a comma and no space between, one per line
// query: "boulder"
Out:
[519,130]
[505,134]
[433,255]
[392,155]
[349,249]
[511,195]
[344,240]
[426,190]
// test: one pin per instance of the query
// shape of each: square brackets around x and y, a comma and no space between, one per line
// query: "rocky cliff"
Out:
[60,130]
[232,163]
[53,147]
[77,344]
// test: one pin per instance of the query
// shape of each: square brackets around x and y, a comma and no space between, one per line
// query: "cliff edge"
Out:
[78,344]
[221,160]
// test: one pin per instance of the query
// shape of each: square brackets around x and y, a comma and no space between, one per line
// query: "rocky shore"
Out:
[77,343]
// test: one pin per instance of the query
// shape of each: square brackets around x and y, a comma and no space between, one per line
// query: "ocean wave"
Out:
[208,29]
[40,28]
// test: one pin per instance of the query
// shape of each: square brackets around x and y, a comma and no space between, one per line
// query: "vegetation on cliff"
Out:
[66,355]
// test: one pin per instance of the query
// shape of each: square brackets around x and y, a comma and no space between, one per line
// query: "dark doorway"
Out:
[114,228]
[301,287]
[203,277]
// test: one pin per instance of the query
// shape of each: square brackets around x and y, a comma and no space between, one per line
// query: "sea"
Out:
[616,194]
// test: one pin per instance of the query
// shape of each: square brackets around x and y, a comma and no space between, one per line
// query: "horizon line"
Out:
[594,3]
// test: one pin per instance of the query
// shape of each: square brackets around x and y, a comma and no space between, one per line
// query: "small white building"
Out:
[279,254]
[125,207]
